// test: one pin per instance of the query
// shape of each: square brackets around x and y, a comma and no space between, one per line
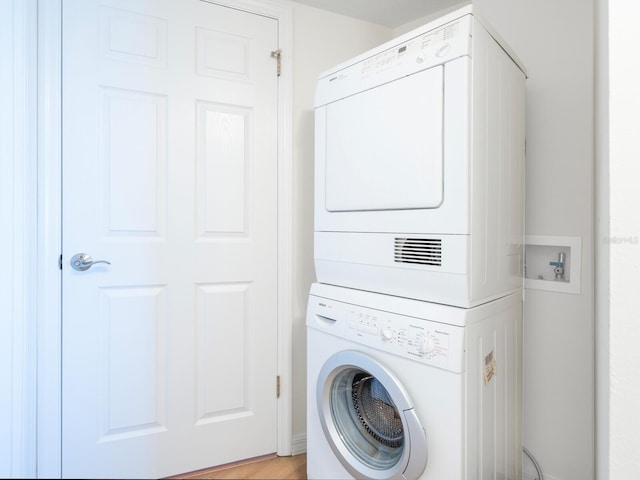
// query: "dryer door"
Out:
[369,420]
[384,146]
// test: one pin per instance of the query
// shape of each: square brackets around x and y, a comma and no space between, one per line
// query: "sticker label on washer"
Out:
[490,367]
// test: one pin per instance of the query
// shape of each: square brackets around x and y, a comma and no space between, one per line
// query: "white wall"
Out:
[418,22]
[624,240]
[320,40]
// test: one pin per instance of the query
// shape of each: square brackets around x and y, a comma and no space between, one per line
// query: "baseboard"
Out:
[299,444]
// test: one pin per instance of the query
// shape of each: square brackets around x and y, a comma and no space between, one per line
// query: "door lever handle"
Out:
[83,261]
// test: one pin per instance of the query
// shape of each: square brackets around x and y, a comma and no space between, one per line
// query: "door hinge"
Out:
[60,262]
[277,54]
[278,386]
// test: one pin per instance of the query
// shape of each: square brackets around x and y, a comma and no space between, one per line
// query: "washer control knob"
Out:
[427,345]
[386,334]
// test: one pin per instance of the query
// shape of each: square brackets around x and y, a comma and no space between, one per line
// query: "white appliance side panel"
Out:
[497,200]
[494,396]
[384,146]
[452,216]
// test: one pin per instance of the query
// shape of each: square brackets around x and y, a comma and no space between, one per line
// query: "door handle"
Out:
[83,261]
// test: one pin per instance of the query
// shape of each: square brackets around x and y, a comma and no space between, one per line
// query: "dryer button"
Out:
[443,50]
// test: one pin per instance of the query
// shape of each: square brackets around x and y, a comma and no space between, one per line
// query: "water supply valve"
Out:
[558,267]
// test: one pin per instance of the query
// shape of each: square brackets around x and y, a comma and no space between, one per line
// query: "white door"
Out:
[169,174]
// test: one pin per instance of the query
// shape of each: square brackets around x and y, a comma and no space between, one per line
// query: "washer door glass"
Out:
[366,418]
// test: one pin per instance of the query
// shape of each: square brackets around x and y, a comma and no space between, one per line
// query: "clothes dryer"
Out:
[419,166]
[405,389]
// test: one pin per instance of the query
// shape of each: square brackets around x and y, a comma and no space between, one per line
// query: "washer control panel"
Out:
[425,341]
[429,341]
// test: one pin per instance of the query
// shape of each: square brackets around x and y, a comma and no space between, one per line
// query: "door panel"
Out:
[170,174]
[222,166]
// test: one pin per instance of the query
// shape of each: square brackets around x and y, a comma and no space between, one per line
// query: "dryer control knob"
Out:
[427,346]
[386,334]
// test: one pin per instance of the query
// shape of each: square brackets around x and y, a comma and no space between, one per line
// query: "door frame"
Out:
[48,442]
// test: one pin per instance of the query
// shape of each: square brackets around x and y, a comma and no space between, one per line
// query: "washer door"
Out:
[369,420]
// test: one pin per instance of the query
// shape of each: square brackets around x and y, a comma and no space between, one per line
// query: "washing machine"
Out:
[406,389]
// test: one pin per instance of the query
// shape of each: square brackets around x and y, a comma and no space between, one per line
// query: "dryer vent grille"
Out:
[422,251]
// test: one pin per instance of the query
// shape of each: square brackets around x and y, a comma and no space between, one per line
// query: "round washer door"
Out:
[369,420]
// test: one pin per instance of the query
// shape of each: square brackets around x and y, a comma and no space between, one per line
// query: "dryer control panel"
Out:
[428,341]
[416,51]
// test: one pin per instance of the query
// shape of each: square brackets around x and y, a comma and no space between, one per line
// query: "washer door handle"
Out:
[418,443]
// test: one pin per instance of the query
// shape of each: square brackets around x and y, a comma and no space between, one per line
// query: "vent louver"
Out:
[421,251]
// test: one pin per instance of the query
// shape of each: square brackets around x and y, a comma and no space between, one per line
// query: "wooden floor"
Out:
[270,467]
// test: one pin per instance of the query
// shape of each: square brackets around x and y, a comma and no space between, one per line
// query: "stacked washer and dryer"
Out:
[414,329]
